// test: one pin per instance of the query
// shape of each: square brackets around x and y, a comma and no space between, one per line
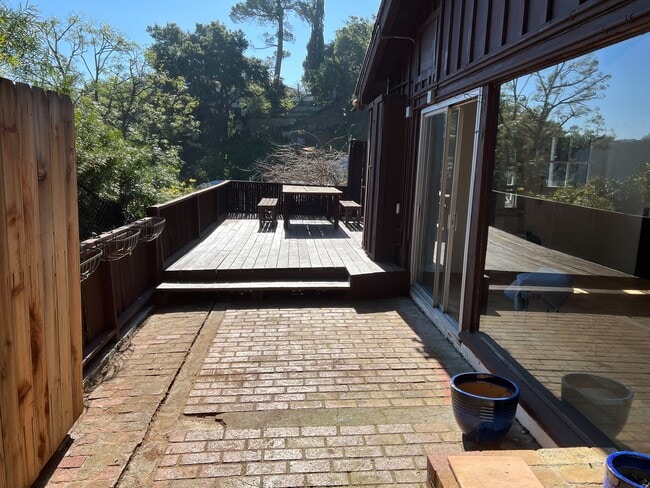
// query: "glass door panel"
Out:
[433,133]
[443,246]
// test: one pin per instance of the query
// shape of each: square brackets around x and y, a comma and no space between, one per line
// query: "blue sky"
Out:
[133,16]
[626,108]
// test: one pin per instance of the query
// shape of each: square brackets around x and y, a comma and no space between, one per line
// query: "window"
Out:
[567,174]
[568,276]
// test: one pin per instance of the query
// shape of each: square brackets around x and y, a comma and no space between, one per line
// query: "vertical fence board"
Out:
[3,460]
[72,246]
[44,162]
[34,276]
[40,370]
[13,438]
[17,271]
[60,279]
[21,266]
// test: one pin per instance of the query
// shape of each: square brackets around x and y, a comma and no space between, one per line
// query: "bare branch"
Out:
[303,165]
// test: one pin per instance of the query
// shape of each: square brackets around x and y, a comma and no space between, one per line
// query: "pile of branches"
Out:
[304,165]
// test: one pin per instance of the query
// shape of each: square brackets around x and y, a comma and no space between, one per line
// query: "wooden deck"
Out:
[310,251]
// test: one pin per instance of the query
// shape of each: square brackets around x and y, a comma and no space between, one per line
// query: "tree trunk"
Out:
[279,54]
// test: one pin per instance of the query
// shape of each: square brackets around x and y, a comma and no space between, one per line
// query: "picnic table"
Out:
[290,192]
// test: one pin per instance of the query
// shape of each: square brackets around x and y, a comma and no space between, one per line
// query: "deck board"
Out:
[239,243]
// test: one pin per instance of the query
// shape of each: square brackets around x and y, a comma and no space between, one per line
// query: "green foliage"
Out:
[627,196]
[334,81]
[594,194]
[131,174]
[218,75]
[242,152]
[18,40]
[537,108]
[150,124]
[130,120]
[315,14]
[534,131]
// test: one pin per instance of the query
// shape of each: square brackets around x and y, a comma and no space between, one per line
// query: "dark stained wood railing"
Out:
[119,289]
[244,195]
[190,215]
[116,291]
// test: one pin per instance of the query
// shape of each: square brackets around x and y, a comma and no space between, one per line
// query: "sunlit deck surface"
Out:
[311,252]
[602,329]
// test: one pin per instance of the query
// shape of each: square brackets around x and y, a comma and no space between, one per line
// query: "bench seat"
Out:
[350,208]
[267,210]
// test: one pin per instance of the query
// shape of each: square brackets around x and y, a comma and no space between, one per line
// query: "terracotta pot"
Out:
[484,405]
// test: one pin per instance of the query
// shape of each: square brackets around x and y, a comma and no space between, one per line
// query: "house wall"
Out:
[465,44]
[494,41]
[384,178]
[41,393]
[462,45]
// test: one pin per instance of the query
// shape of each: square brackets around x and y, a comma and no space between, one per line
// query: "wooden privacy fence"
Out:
[41,391]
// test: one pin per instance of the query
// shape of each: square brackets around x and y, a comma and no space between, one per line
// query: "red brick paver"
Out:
[118,411]
[273,396]
[280,359]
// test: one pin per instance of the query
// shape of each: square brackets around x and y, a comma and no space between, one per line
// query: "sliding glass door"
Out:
[444,174]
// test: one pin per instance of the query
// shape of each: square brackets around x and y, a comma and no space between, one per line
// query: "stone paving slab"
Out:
[139,429]
[577,467]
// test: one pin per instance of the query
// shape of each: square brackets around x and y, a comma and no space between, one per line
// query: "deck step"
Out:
[233,286]
[263,275]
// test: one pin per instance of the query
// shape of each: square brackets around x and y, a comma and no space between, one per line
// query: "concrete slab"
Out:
[490,471]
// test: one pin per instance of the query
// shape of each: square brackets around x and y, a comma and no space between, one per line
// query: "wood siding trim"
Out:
[493,41]
[381,237]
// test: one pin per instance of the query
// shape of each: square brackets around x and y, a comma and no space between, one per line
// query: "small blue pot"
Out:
[484,405]
[627,469]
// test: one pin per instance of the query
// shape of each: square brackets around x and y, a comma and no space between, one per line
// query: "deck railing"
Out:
[118,290]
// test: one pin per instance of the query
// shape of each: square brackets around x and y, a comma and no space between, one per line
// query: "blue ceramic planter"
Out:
[627,469]
[484,405]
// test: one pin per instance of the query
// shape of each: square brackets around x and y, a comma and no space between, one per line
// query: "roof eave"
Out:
[373,53]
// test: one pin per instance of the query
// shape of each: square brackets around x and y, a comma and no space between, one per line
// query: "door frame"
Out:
[418,294]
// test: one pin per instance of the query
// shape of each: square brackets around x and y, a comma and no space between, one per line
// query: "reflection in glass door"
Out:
[433,136]
[446,154]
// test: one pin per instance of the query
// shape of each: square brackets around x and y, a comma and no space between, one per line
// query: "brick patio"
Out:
[272,395]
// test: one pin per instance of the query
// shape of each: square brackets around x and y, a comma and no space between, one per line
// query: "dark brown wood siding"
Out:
[496,40]
[384,177]
[475,42]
